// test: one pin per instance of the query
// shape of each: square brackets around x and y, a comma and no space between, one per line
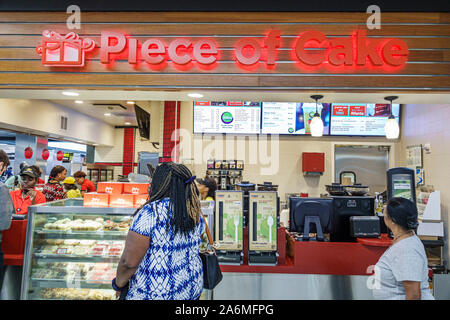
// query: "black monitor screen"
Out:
[299,208]
[143,120]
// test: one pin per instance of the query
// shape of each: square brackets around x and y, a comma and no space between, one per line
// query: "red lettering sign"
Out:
[202,103]
[235,103]
[340,110]
[311,49]
[357,111]
[62,51]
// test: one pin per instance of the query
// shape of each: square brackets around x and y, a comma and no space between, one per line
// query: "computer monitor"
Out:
[301,208]
[343,209]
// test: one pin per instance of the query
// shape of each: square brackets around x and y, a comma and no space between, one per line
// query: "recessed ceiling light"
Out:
[70,93]
[78,101]
[130,102]
[127,123]
[107,114]
[195,95]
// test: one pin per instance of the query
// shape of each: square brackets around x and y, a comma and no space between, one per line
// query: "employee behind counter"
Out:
[27,195]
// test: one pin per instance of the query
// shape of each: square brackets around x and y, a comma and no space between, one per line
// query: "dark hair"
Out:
[79,174]
[402,212]
[176,182]
[37,170]
[211,184]
[55,171]
[4,158]
[70,186]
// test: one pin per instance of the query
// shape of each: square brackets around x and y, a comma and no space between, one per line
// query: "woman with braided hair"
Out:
[161,257]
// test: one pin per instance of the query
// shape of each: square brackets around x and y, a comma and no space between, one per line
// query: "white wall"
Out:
[430,124]
[114,153]
[288,174]
[43,117]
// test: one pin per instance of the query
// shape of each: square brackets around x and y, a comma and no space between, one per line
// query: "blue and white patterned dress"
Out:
[172,268]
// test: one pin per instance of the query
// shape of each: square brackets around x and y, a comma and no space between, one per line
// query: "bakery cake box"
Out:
[94,199]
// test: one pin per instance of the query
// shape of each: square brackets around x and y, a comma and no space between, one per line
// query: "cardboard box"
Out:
[140,199]
[110,187]
[136,188]
[121,200]
[94,199]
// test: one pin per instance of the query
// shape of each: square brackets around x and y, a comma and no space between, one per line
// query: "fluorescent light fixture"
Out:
[130,102]
[78,101]
[107,114]
[70,93]
[195,95]
[127,123]
[67,146]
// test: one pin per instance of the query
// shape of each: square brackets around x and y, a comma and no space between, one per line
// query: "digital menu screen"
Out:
[293,118]
[360,119]
[240,117]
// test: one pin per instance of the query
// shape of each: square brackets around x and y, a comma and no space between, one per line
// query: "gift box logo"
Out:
[108,190]
[135,190]
[63,51]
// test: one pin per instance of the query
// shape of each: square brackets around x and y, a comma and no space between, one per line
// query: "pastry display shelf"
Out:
[85,235]
[38,256]
[62,283]
[72,258]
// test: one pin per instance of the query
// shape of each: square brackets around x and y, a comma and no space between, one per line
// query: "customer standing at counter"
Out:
[6,209]
[402,271]
[161,258]
[207,188]
[53,190]
[27,195]
[86,185]
[71,189]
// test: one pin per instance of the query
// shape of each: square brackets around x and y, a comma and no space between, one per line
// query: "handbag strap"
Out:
[208,233]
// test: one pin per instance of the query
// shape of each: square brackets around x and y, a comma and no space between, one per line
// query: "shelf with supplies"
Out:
[226,173]
[72,251]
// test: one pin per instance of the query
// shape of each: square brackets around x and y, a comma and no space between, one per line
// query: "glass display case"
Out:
[72,251]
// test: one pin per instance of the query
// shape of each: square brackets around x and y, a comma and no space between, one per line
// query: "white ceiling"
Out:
[119,116]
[236,95]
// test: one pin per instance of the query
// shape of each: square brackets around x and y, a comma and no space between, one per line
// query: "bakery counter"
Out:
[72,251]
[312,257]
[305,270]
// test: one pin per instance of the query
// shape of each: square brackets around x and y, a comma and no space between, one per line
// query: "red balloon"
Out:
[45,154]
[59,155]
[28,153]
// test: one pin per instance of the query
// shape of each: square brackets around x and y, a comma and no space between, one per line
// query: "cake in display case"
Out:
[72,251]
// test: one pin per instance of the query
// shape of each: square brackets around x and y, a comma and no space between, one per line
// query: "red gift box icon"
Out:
[68,50]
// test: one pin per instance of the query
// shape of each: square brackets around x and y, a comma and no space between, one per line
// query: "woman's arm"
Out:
[412,290]
[136,247]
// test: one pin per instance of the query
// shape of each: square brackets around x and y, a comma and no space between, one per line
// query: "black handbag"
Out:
[212,274]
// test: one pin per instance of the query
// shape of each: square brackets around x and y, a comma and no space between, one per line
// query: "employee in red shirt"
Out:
[86,185]
[27,195]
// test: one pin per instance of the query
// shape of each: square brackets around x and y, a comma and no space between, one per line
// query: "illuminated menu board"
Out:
[240,117]
[360,119]
[293,118]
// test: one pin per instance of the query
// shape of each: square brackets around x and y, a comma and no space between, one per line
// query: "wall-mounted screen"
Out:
[360,119]
[293,118]
[235,117]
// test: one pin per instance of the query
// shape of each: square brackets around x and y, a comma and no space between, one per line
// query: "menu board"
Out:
[229,220]
[293,118]
[359,119]
[239,117]
[263,220]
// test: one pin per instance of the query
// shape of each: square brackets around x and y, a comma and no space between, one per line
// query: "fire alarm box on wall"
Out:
[313,163]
